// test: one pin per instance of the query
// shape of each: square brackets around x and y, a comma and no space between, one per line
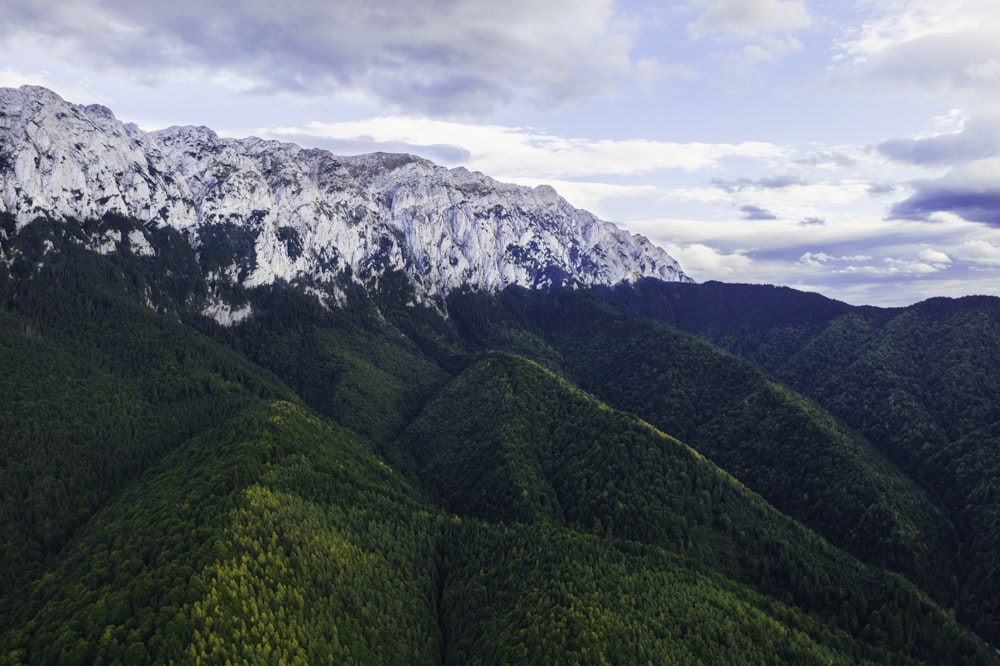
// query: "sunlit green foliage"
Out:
[272,537]
[540,594]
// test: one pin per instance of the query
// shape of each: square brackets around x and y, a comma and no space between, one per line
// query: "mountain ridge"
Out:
[306,216]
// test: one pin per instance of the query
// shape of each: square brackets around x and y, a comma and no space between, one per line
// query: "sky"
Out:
[849,147]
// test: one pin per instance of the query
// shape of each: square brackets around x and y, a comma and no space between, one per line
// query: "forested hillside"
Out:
[529,477]
[919,384]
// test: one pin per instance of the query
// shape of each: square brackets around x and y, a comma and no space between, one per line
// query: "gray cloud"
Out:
[825,157]
[876,189]
[973,206]
[443,56]
[971,191]
[812,222]
[979,138]
[766,183]
[757,213]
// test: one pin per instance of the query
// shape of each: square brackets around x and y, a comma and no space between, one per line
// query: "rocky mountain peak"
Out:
[306,215]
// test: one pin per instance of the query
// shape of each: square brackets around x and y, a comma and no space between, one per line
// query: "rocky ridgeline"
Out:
[307,215]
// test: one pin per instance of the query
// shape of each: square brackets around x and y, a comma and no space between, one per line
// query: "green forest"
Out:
[653,473]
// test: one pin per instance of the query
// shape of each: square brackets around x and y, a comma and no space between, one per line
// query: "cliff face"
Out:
[305,214]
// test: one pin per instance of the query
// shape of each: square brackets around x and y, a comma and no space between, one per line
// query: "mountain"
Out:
[919,383]
[203,462]
[794,454]
[169,497]
[260,211]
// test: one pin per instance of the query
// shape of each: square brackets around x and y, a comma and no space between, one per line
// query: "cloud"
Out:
[765,183]
[824,158]
[761,29]
[708,263]
[812,222]
[978,252]
[979,137]
[970,191]
[747,18]
[819,259]
[938,63]
[757,213]
[10,78]
[591,196]
[769,48]
[506,152]
[855,257]
[876,189]
[910,267]
[933,256]
[929,261]
[441,153]
[443,56]
[927,46]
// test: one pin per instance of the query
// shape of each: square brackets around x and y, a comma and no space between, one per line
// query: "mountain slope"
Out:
[97,388]
[774,441]
[260,528]
[509,441]
[919,383]
[923,387]
[273,536]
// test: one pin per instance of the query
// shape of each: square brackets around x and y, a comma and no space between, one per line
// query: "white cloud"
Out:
[10,78]
[935,257]
[897,22]
[987,70]
[928,261]
[518,152]
[763,27]
[978,252]
[708,263]
[955,138]
[591,196]
[818,259]
[911,267]
[699,194]
[748,18]
[971,191]
[769,48]
[927,45]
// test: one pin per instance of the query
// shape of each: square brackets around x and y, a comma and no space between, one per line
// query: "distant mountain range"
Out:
[262,404]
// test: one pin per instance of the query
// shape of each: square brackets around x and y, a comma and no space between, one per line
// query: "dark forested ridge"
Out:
[921,384]
[647,474]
